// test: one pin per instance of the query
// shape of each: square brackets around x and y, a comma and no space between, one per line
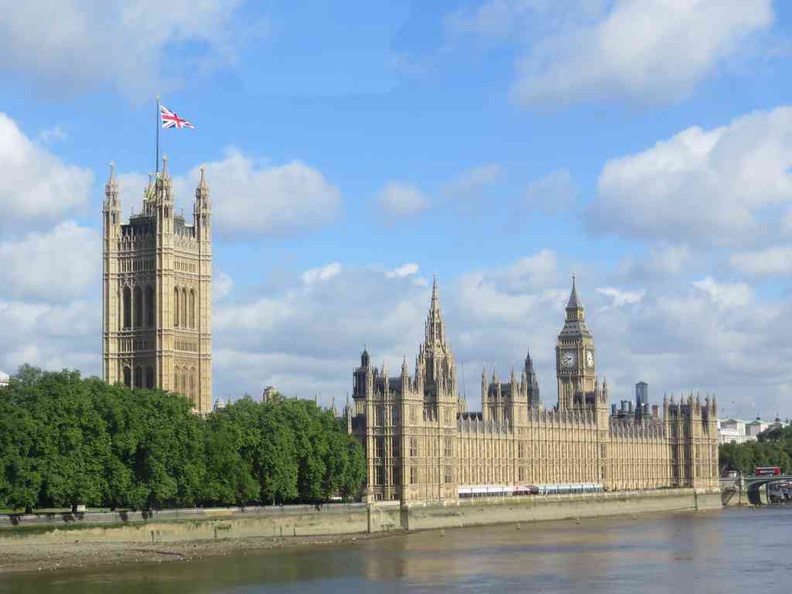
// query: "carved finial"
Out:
[164,166]
[112,172]
[202,191]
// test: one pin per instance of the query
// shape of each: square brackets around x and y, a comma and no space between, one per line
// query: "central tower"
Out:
[157,293]
[575,356]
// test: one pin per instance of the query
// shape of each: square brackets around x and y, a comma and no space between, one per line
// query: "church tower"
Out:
[157,293]
[575,357]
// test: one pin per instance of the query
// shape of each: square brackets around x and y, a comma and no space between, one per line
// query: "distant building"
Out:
[268,393]
[732,430]
[3,379]
[738,431]
[641,395]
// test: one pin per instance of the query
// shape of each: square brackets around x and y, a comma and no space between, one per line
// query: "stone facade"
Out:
[157,293]
[422,445]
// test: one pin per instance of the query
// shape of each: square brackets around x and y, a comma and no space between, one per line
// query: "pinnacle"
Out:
[574,301]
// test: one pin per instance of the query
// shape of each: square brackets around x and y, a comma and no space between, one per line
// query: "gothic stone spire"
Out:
[435,326]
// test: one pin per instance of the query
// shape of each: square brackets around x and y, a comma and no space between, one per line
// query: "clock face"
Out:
[589,358]
[568,359]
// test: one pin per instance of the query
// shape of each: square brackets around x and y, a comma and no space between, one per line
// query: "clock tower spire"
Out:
[575,357]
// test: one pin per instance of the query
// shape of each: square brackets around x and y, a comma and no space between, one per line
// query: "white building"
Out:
[731,430]
[3,379]
[735,430]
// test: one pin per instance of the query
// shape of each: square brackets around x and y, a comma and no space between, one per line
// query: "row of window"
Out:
[137,307]
[184,379]
[383,478]
[128,265]
[183,308]
[135,379]
[138,311]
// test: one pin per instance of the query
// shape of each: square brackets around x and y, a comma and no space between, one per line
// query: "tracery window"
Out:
[150,306]
[192,308]
[176,307]
[137,304]
[127,307]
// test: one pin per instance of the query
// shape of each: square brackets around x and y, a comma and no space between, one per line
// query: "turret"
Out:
[202,209]
[533,384]
[163,199]
[112,205]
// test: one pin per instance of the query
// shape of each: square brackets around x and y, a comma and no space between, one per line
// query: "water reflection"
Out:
[729,551]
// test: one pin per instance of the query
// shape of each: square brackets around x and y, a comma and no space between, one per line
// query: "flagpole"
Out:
[156,159]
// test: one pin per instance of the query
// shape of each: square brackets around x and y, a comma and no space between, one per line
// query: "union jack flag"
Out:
[172,120]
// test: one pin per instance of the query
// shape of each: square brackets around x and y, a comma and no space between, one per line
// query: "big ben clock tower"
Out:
[575,356]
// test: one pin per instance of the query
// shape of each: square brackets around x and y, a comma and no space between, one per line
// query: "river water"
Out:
[734,550]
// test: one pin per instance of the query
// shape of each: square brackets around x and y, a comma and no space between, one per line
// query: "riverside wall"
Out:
[338,519]
[476,512]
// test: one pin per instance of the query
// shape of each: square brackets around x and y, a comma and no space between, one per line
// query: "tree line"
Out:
[67,441]
[772,447]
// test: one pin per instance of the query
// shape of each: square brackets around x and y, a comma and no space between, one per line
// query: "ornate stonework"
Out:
[157,293]
[421,444]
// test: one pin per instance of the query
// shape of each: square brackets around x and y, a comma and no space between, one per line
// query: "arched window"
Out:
[176,379]
[149,377]
[176,307]
[192,381]
[184,308]
[184,381]
[127,307]
[137,303]
[127,377]
[150,306]
[138,377]
[192,308]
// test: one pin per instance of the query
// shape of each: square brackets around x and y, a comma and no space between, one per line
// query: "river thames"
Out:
[734,550]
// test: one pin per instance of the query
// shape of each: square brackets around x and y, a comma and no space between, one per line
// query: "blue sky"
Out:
[355,149]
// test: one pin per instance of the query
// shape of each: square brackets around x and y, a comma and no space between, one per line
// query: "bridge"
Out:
[754,487]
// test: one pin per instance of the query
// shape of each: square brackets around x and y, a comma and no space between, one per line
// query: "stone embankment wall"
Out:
[338,519]
[533,509]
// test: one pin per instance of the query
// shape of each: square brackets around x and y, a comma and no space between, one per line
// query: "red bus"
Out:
[767,471]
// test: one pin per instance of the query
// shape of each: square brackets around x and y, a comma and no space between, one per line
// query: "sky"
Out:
[355,149]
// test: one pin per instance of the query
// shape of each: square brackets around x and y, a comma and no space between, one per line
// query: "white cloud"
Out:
[472,180]
[37,186]
[317,275]
[401,199]
[78,44]
[52,135]
[621,297]
[775,261]
[222,284]
[54,266]
[553,193]
[260,199]
[651,49]
[51,336]
[662,261]
[402,271]
[726,295]
[699,186]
